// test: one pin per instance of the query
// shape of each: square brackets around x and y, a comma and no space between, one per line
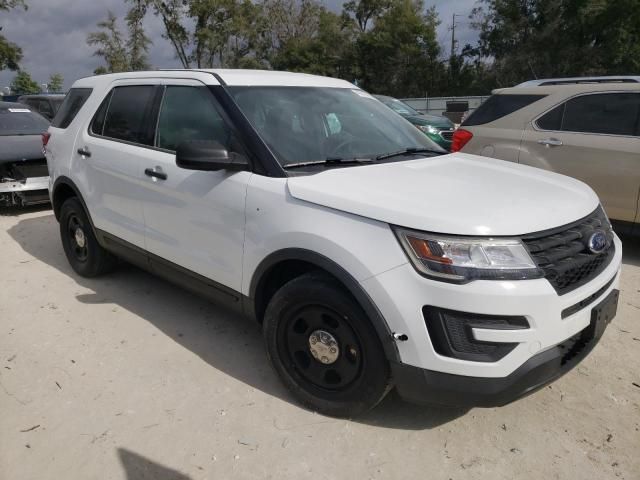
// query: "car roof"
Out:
[231,77]
[43,95]
[384,97]
[580,80]
[4,105]
[567,89]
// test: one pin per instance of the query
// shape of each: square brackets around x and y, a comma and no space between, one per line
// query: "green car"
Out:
[438,128]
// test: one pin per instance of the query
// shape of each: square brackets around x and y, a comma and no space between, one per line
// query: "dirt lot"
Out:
[128,377]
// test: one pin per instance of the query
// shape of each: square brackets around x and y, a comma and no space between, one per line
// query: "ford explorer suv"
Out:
[371,259]
[587,128]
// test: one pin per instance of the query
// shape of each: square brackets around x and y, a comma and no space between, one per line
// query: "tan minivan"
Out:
[587,128]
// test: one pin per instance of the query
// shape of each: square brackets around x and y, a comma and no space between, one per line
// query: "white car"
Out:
[371,258]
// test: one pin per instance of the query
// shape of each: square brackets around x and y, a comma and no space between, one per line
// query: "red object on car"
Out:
[460,138]
[45,138]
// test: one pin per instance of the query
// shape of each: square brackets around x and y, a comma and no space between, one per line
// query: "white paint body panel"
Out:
[454,194]
[401,293]
[222,225]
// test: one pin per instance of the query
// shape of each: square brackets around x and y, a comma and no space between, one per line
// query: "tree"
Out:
[10,53]
[56,81]
[365,11]
[545,38]
[138,42]
[23,84]
[110,45]
[122,54]
[399,54]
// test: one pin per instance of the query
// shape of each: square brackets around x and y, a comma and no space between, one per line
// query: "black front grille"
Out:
[563,253]
[447,134]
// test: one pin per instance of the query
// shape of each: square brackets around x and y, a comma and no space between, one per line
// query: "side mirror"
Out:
[208,155]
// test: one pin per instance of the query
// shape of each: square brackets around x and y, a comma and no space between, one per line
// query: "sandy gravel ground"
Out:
[128,377]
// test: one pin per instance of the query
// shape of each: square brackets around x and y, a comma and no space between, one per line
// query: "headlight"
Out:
[428,129]
[461,259]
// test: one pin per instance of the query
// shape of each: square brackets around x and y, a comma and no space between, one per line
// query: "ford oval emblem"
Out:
[597,242]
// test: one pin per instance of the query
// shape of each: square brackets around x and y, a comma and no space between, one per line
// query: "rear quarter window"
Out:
[498,106]
[72,104]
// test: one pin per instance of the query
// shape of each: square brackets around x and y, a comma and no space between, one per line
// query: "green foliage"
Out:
[138,43]
[550,38]
[56,82]
[23,84]
[10,53]
[119,53]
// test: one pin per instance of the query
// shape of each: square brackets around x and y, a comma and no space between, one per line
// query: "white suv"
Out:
[371,258]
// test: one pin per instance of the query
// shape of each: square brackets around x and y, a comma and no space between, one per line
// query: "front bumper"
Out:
[401,294]
[31,191]
[429,387]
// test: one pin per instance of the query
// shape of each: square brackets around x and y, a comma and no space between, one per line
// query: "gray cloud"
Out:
[53,33]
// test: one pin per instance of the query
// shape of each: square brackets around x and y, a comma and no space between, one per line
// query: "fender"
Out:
[352,285]
[67,182]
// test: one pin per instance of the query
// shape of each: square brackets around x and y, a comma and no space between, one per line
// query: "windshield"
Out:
[400,107]
[314,124]
[56,104]
[19,120]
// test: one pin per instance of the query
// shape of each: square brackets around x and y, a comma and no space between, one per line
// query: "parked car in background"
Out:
[438,128]
[24,178]
[46,105]
[587,128]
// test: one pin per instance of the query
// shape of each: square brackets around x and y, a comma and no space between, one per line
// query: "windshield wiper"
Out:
[330,161]
[409,151]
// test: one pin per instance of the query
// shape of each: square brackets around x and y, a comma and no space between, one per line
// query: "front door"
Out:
[593,138]
[194,219]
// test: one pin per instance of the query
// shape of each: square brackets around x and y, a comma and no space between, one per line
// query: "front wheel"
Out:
[324,348]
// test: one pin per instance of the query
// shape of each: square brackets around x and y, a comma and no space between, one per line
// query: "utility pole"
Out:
[453,34]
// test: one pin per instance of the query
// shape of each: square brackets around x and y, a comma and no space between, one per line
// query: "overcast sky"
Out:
[53,34]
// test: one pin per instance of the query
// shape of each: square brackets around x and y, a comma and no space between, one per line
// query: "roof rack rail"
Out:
[544,82]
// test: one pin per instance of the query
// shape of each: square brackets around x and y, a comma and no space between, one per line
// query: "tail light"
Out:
[45,139]
[460,138]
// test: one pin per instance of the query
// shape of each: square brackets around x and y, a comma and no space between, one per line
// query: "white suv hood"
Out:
[456,194]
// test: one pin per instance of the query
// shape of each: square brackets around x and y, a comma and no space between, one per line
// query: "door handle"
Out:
[550,142]
[84,152]
[160,175]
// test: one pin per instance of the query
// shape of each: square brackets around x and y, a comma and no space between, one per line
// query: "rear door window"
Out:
[189,113]
[607,113]
[128,117]
[552,120]
[72,104]
[498,106]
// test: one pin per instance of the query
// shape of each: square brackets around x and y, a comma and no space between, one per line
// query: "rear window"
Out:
[19,120]
[498,106]
[72,104]
[128,115]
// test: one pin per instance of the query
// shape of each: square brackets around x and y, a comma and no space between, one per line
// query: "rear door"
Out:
[112,151]
[497,125]
[194,219]
[593,138]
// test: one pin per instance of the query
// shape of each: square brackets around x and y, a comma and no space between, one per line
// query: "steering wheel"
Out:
[353,142]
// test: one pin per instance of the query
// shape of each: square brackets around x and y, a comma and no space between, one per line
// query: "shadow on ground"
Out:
[137,467]
[630,250]
[212,333]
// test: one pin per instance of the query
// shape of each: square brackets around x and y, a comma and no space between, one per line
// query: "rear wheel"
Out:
[84,253]
[324,348]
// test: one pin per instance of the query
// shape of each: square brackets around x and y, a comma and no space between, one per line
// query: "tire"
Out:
[341,379]
[84,253]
